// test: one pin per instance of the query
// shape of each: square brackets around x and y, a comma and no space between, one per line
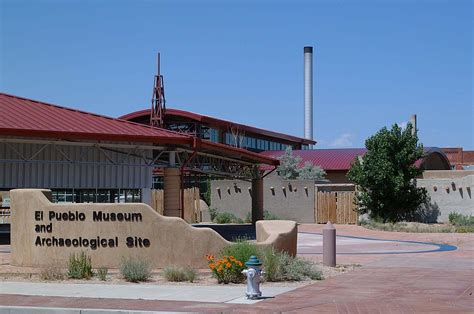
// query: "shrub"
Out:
[191,274]
[280,266]
[241,250]
[212,213]
[79,266]
[453,217]
[102,273]
[51,273]
[266,216]
[248,218]
[227,269]
[462,223]
[135,269]
[177,274]
[270,216]
[460,220]
[227,218]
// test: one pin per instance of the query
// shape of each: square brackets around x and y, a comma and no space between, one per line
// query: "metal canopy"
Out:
[198,159]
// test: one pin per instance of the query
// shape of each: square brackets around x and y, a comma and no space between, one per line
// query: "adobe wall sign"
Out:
[46,222]
[44,234]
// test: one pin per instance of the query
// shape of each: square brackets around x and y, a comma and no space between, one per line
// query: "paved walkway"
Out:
[419,277]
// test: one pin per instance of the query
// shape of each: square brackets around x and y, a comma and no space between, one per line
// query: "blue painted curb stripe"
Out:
[441,247]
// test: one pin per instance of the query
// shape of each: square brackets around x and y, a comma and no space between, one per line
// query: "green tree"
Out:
[386,174]
[289,164]
[311,172]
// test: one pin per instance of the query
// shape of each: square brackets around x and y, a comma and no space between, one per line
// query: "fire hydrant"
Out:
[254,274]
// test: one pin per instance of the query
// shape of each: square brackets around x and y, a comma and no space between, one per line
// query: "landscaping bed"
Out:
[457,223]
[204,277]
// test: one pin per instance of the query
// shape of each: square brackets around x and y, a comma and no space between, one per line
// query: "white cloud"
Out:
[402,125]
[344,140]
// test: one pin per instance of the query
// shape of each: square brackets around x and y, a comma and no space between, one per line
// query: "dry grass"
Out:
[414,227]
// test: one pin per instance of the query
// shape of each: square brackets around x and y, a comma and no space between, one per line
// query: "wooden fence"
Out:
[192,210]
[337,207]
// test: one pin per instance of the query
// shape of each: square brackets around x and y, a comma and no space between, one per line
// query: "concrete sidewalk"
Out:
[190,293]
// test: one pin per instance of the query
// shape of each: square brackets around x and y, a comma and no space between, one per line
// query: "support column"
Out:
[257,199]
[172,192]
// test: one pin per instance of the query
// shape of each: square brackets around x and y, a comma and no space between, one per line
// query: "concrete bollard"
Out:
[329,245]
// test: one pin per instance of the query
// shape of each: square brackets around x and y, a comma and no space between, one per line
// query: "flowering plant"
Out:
[226,269]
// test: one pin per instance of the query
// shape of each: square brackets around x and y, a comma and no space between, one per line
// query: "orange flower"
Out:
[239,263]
[228,265]
[212,266]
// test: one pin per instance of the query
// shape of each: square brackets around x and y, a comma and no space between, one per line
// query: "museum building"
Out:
[85,157]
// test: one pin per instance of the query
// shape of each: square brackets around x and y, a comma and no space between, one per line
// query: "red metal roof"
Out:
[26,117]
[218,123]
[327,159]
[342,158]
[30,118]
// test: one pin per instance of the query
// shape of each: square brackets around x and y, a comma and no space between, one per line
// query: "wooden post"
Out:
[172,192]
[257,200]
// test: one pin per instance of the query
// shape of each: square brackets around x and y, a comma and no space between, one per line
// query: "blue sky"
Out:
[375,62]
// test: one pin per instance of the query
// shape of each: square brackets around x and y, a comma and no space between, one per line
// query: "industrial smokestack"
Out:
[413,124]
[308,93]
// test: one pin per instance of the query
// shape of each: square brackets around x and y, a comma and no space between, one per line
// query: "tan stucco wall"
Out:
[450,195]
[338,176]
[171,240]
[288,199]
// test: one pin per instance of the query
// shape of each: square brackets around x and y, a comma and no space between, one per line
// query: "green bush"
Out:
[248,218]
[51,273]
[212,213]
[240,250]
[453,217]
[270,216]
[177,274]
[79,266]
[462,223]
[266,216]
[102,273]
[280,266]
[227,218]
[191,274]
[135,269]
[460,220]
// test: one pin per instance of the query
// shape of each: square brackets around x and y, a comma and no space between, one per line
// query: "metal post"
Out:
[329,245]
[308,93]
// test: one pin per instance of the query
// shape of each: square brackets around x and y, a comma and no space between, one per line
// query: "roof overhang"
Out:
[218,123]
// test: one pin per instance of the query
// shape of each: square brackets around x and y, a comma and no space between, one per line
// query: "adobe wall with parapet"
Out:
[43,233]
[449,192]
[288,199]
